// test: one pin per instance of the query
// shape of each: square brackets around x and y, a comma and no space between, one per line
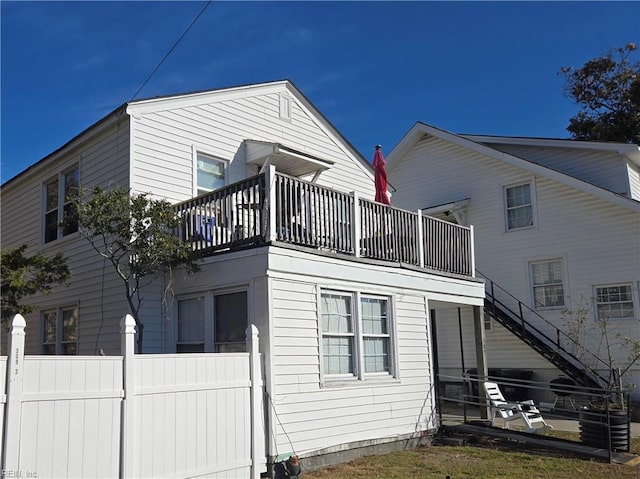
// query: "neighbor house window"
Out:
[356,335]
[614,302]
[546,281]
[212,322]
[60,331]
[519,206]
[60,193]
[210,173]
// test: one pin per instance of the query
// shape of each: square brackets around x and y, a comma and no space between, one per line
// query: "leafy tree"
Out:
[608,91]
[136,234]
[24,276]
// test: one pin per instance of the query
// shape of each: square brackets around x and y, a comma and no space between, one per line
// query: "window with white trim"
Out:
[60,216]
[356,335]
[547,283]
[212,322]
[518,206]
[614,302]
[60,331]
[210,173]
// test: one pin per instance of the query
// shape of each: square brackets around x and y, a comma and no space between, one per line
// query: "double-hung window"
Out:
[212,322]
[60,193]
[614,302]
[547,284]
[210,173]
[519,206]
[60,331]
[356,336]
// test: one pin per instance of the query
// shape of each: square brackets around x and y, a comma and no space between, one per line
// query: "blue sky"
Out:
[372,68]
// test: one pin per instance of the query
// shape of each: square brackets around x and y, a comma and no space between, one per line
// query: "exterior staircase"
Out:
[542,336]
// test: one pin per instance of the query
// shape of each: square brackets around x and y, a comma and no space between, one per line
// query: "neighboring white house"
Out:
[282,207]
[557,225]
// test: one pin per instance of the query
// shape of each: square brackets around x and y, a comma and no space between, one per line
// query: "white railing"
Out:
[275,207]
[176,415]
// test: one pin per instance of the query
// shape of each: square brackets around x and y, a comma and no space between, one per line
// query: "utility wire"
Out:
[171,50]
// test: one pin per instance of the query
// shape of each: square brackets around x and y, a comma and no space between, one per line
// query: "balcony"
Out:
[273,208]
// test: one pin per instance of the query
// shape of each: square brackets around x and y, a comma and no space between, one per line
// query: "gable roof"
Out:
[474,143]
[160,103]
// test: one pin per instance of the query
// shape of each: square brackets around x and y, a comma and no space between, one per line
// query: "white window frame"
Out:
[533,286]
[59,341]
[359,374]
[209,314]
[633,301]
[198,151]
[506,208]
[59,179]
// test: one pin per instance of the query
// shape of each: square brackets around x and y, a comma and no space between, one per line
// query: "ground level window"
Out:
[614,302]
[212,322]
[356,335]
[547,284]
[60,331]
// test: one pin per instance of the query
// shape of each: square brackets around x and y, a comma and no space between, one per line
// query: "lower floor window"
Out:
[212,322]
[614,302]
[356,335]
[60,331]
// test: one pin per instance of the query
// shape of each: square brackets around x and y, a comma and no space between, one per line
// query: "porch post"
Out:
[270,182]
[356,232]
[13,407]
[420,241]
[481,359]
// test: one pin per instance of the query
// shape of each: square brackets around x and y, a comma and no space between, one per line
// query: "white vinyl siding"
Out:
[614,302]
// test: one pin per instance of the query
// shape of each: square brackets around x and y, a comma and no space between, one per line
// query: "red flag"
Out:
[380,177]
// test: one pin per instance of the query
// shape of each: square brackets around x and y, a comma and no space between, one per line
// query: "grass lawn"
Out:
[484,460]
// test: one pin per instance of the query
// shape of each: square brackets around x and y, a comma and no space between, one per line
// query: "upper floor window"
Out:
[60,216]
[546,281]
[356,335]
[209,322]
[210,173]
[60,331]
[518,206]
[614,302]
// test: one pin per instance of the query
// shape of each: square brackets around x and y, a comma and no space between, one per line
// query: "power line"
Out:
[171,50]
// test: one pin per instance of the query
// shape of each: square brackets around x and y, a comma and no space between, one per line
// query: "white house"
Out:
[281,205]
[557,231]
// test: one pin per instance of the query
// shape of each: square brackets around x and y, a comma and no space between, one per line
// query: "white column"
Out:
[356,232]
[420,240]
[257,423]
[129,418]
[13,406]
[270,183]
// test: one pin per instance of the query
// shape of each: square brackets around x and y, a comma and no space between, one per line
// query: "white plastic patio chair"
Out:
[511,411]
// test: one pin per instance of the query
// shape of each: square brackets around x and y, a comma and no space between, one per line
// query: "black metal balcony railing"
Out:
[275,207]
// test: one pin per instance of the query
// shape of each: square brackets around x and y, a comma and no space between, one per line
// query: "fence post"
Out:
[13,406]
[356,232]
[420,241]
[270,183]
[128,436]
[255,400]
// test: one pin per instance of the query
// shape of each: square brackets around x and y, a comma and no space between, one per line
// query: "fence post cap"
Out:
[128,324]
[18,321]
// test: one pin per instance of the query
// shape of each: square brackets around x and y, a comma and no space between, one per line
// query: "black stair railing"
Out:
[544,337]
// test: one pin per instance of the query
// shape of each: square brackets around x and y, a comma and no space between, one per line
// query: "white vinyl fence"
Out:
[131,416]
